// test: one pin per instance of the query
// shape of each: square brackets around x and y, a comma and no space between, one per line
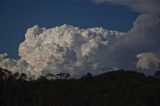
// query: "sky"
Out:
[16,16]
[41,37]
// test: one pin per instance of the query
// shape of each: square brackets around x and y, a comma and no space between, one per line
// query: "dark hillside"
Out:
[117,88]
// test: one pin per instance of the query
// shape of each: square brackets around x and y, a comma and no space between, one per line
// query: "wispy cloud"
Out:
[142,6]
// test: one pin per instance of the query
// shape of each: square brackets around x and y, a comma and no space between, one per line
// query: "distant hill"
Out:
[116,88]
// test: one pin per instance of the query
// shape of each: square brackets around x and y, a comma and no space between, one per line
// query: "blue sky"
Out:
[17,15]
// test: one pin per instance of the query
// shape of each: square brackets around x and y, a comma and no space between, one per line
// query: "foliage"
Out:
[116,88]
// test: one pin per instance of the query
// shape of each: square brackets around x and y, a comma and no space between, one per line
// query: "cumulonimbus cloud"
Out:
[69,49]
[63,49]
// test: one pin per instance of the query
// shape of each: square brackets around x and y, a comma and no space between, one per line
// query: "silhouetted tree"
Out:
[4,74]
[62,76]
[42,78]
[23,76]
[117,88]
[157,73]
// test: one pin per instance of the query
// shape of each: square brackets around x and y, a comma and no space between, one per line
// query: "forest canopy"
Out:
[116,88]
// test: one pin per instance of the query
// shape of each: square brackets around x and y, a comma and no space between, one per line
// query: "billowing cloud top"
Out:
[63,49]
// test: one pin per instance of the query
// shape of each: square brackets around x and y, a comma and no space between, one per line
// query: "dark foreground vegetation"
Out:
[117,88]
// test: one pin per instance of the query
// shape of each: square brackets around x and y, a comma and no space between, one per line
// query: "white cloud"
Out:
[63,49]
[6,62]
[145,60]
[69,49]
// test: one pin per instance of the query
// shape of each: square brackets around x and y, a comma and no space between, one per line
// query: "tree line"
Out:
[116,88]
